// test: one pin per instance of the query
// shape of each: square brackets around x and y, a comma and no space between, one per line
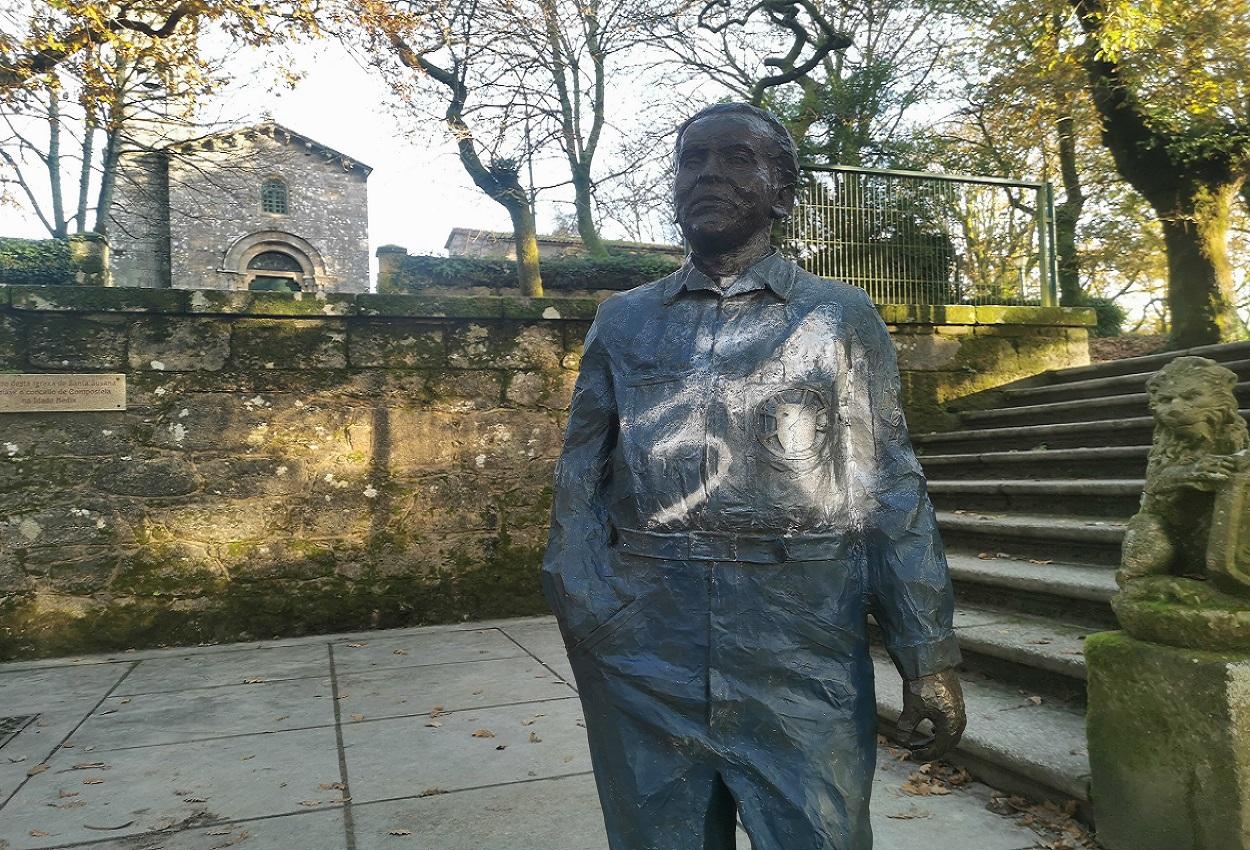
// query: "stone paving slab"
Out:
[152,788]
[232,667]
[260,747]
[382,652]
[230,710]
[449,687]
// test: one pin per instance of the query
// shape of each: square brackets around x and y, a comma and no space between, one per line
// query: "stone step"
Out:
[1078,540]
[1094,387]
[1097,462]
[1079,410]
[1076,593]
[1095,498]
[1012,743]
[1221,353]
[1133,431]
[1031,643]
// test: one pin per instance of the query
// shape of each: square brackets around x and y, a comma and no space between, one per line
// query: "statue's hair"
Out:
[1229,429]
[786,155]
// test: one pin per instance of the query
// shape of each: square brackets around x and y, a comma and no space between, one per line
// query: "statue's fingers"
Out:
[909,719]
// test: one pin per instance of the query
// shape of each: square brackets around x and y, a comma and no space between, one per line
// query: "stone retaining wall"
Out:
[289,465]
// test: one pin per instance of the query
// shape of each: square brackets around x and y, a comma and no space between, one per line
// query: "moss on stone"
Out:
[549,308]
[503,585]
[289,344]
[1020,315]
[1169,746]
[98,299]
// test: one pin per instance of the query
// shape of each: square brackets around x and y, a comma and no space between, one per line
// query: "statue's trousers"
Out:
[726,685]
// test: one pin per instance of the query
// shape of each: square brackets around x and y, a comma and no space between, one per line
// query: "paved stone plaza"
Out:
[444,738]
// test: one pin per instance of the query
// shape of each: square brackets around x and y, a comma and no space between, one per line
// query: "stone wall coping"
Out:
[92,299]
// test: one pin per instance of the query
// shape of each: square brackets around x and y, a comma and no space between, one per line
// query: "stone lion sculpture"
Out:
[1184,547]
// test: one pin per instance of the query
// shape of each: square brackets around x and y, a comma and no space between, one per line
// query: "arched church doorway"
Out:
[274,271]
[274,261]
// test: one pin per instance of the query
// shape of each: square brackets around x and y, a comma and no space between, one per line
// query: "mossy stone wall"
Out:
[291,465]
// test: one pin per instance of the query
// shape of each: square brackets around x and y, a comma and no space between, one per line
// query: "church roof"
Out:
[273,130]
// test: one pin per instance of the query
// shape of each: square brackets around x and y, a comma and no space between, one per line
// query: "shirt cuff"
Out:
[924,659]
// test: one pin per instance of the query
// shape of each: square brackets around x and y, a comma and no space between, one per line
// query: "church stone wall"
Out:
[139,221]
[292,464]
[214,201]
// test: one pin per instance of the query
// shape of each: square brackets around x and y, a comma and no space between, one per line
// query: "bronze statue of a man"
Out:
[737,493]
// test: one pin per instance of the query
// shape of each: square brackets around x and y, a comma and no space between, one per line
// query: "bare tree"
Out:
[845,79]
[453,46]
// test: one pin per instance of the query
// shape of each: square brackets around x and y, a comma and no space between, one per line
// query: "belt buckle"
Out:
[711,546]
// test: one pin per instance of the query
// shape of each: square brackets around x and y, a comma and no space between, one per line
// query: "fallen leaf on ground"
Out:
[91,780]
[358,717]
[90,765]
[332,786]
[431,792]
[534,739]
[433,724]
[194,800]
[502,747]
[357,645]
[911,814]
[39,833]
[483,733]
[255,680]
[310,803]
[36,770]
[63,793]
[400,652]
[399,832]
[1040,561]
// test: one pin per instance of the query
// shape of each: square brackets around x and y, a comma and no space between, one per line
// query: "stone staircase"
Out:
[1032,497]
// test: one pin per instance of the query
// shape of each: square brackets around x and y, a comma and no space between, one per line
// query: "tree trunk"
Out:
[108,177]
[59,229]
[1200,279]
[84,176]
[1067,216]
[586,227]
[525,237]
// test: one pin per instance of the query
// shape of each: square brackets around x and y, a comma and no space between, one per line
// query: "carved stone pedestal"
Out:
[1169,745]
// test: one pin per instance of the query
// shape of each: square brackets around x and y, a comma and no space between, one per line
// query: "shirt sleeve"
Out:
[576,575]
[909,583]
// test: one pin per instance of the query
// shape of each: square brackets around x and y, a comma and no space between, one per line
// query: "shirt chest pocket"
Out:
[790,426]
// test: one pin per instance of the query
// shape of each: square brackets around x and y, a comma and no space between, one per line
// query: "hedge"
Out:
[45,262]
[614,272]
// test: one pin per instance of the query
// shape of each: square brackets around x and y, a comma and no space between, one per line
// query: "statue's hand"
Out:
[939,699]
[1212,469]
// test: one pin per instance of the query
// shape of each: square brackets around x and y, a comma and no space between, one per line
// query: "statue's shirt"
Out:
[749,409]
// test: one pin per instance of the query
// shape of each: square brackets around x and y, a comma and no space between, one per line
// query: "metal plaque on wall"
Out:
[61,393]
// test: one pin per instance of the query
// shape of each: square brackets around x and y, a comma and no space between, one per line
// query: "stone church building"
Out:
[259,208]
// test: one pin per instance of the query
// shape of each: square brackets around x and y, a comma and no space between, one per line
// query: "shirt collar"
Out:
[772,272]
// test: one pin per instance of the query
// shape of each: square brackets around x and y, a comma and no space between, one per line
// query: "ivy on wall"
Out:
[46,262]
[616,272]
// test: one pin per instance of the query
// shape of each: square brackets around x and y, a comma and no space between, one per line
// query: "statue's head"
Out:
[1192,398]
[737,168]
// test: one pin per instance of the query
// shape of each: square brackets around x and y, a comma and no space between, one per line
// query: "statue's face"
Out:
[726,187]
[1188,407]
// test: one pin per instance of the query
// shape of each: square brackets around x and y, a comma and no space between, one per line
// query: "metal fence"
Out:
[909,237]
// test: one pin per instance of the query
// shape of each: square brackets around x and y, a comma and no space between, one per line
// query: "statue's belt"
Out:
[727,546]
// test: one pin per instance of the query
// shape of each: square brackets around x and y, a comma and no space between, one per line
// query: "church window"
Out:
[273,196]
